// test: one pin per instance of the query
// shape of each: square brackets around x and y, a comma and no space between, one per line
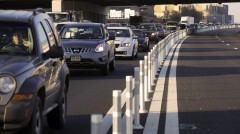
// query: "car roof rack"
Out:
[38,10]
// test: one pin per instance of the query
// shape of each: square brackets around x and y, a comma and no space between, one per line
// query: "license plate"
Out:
[75,58]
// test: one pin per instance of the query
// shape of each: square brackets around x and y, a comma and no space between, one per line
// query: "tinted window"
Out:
[138,33]
[82,32]
[50,34]
[120,32]
[43,39]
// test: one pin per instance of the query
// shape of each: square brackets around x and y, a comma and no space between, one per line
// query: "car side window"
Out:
[43,39]
[50,34]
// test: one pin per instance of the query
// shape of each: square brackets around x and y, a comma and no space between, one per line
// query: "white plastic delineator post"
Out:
[136,120]
[149,72]
[146,95]
[116,127]
[141,88]
[129,113]
[96,124]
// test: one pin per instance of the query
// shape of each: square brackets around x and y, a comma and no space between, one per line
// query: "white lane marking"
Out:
[222,41]
[151,125]
[172,122]
[228,44]
[235,48]
[107,120]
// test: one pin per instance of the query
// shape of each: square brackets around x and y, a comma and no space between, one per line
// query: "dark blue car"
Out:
[143,41]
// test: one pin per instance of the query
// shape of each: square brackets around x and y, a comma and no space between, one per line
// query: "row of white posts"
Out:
[218,27]
[137,88]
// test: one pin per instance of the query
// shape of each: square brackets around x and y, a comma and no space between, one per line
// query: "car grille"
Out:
[78,50]
[83,61]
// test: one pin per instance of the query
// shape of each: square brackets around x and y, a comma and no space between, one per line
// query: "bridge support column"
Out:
[57,5]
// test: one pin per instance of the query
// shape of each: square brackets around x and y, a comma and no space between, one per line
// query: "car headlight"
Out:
[100,48]
[126,45]
[153,33]
[7,84]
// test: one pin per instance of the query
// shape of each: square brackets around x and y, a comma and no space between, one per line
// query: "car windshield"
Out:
[138,33]
[120,32]
[82,32]
[147,27]
[16,39]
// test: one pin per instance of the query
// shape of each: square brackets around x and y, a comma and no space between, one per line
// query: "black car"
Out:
[150,30]
[88,46]
[34,77]
[143,41]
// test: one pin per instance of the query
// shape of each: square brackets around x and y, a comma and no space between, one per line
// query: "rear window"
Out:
[120,32]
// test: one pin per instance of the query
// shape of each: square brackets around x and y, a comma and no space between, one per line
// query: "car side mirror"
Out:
[56,52]
[111,37]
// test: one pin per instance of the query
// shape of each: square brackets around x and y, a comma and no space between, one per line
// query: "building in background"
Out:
[212,13]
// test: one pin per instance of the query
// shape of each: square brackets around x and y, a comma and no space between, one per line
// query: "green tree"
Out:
[175,16]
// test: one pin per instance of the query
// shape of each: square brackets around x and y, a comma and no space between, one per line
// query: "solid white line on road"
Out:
[151,125]
[172,122]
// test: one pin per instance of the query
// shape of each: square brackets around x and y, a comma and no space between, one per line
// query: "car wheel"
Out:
[112,65]
[35,124]
[57,117]
[105,69]
[132,56]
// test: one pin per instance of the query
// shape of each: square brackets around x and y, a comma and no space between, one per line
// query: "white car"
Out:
[125,42]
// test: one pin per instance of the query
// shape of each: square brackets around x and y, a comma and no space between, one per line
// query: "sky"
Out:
[234,10]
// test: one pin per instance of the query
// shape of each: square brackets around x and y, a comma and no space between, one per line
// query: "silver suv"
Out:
[88,46]
[34,77]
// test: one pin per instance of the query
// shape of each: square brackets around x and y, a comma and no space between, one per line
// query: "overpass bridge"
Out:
[94,10]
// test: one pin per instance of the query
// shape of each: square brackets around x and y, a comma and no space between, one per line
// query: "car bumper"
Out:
[87,61]
[124,51]
[15,115]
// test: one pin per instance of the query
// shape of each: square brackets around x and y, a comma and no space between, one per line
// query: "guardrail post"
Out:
[149,72]
[136,99]
[129,118]
[146,73]
[141,88]
[96,124]
[116,127]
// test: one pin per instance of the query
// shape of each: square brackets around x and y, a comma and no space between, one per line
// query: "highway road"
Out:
[205,85]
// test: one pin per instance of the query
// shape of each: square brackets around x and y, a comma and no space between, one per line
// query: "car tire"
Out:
[57,117]
[105,69]
[132,56]
[35,124]
[112,65]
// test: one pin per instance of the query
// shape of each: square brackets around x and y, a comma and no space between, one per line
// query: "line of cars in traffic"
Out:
[95,45]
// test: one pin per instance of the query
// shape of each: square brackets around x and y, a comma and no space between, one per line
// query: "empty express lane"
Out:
[208,75]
